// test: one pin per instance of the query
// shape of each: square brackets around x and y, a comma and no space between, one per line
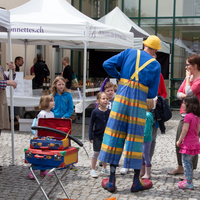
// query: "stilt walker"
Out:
[139,80]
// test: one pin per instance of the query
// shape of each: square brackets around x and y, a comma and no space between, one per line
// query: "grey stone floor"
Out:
[14,183]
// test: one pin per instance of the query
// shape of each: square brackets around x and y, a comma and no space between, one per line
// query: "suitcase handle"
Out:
[44,147]
[59,132]
[40,157]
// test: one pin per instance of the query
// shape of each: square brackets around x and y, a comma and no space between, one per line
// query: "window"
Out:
[186,42]
[93,8]
[148,25]
[111,4]
[148,8]
[131,8]
[162,5]
[187,8]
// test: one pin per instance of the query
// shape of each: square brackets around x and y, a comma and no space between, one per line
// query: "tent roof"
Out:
[4,20]
[56,22]
[116,18]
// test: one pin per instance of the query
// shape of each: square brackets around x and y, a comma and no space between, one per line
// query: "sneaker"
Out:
[105,171]
[93,173]
[124,171]
[100,164]
[74,168]
[45,173]
[30,175]
[186,186]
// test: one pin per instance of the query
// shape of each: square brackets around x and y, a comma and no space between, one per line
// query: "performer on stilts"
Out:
[138,80]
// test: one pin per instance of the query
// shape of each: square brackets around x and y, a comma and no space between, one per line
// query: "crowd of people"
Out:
[125,121]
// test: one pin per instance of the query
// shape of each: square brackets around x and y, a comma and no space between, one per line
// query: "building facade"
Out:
[174,21]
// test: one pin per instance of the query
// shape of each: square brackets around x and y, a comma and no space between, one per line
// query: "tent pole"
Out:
[84,84]
[25,57]
[11,100]
[52,64]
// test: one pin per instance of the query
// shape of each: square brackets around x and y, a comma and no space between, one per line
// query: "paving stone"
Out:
[14,183]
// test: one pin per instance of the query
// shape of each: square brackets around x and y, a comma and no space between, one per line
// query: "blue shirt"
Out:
[149,76]
[98,123]
[148,127]
[63,105]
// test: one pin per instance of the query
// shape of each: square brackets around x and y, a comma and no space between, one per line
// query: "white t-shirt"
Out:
[44,114]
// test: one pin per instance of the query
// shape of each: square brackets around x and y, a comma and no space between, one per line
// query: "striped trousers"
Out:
[126,125]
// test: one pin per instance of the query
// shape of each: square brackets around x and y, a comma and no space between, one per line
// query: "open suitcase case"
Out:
[51,140]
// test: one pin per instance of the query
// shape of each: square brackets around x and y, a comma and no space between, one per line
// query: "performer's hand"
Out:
[66,80]
[91,141]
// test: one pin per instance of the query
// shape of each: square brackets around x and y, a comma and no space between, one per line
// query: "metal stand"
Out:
[53,170]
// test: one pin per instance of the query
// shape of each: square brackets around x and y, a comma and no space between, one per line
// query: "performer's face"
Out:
[110,92]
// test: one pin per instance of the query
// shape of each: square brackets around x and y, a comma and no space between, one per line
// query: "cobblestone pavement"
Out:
[14,183]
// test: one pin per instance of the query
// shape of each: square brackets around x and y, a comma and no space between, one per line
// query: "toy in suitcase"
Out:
[51,140]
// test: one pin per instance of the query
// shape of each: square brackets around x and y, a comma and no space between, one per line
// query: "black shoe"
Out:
[100,164]
[162,132]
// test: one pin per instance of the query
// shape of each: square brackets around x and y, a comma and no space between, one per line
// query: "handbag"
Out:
[74,80]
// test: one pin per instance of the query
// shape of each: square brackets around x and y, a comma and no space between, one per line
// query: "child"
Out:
[63,100]
[145,171]
[64,107]
[99,118]
[109,90]
[190,145]
[46,104]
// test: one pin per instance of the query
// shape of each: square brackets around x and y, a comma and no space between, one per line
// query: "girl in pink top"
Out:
[189,139]
[189,87]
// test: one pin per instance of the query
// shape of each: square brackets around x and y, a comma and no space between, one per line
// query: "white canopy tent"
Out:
[6,28]
[116,18]
[56,22]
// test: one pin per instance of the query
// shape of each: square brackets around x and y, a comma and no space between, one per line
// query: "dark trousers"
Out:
[179,155]
[162,126]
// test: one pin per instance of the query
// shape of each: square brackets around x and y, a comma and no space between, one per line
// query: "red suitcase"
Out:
[52,158]
[49,140]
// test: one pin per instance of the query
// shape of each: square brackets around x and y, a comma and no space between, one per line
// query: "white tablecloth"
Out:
[33,101]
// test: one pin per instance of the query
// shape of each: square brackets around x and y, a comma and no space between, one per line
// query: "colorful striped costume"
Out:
[139,80]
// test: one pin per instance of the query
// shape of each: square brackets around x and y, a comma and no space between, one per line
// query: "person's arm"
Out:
[91,125]
[46,69]
[199,128]
[183,133]
[6,81]
[70,107]
[195,88]
[67,73]
[112,63]
[181,91]
[153,87]
[162,89]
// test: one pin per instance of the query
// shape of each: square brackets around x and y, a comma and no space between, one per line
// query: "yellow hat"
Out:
[153,42]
